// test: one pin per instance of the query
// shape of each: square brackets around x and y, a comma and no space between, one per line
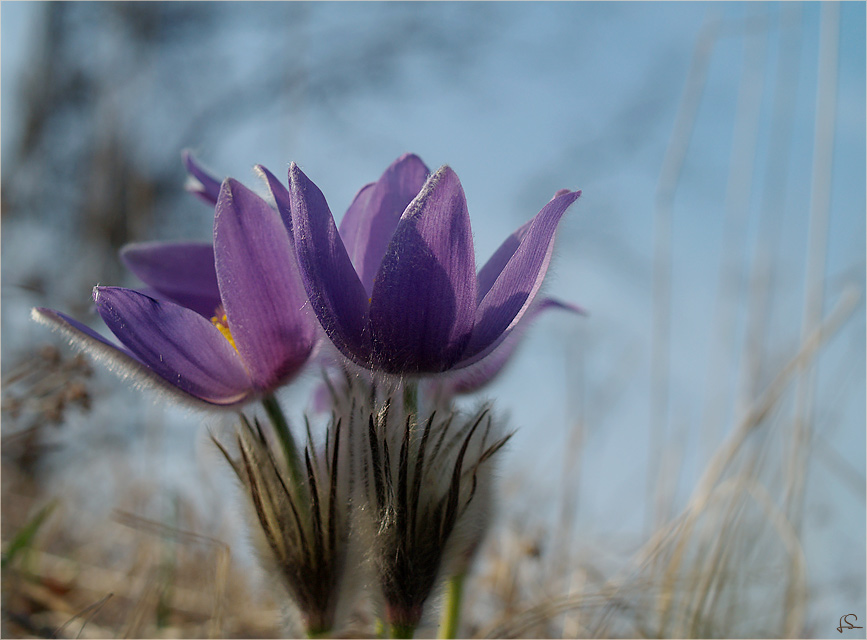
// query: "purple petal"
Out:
[494,266]
[177,344]
[182,272]
[371,219]
[476,376]
[280,195]
[489,273]
[201,183]
[75,330]
[262,293]
[519,280]
[424,296]
[116,358]
[335,292]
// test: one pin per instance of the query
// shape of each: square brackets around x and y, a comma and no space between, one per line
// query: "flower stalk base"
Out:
[452,611]
[402,631]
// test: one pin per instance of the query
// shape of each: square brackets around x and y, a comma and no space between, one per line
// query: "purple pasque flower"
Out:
[403,295]
[261,333]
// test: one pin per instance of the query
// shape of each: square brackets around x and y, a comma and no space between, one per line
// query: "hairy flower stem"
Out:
[287,442]
[452,610]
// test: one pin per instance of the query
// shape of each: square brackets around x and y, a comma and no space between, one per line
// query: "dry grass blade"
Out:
[91,611]
[817,248]
[222,559]
[675,536]
[844,309]
[672,164]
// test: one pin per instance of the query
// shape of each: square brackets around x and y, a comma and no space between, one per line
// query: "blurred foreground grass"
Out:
[731,564]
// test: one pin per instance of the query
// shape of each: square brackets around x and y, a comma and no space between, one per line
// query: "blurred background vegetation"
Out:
[690,460]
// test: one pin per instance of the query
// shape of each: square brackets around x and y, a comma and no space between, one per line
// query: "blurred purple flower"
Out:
[396,289]
[182,272]
[261,333]
[200,182]
[476,376]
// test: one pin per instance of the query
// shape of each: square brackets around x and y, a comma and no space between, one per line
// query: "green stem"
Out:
[410,397]
[452,610]
[379,628]
[287,442]
[402,630]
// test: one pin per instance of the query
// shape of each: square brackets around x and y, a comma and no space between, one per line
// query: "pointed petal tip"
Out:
[515,275]
[131,250]
[101,294]
[552,303]
[299,182]
[444,176]
[442,171]
[296,176]
[279,194]
[126,249]
[261,171]
[42,315]
[567,194]
[227,191]
[97,294]
[200,182]
[572,196]
[410,158]
[265,175]
[99,291]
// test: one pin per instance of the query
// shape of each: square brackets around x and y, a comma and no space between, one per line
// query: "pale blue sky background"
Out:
[521,99]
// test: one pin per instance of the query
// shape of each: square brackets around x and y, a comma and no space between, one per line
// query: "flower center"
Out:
[221,322]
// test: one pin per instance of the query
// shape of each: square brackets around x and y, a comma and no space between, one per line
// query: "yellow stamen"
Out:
[222,324]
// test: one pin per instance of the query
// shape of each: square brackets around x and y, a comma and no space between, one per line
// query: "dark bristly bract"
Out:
[303,530]
[427,508]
